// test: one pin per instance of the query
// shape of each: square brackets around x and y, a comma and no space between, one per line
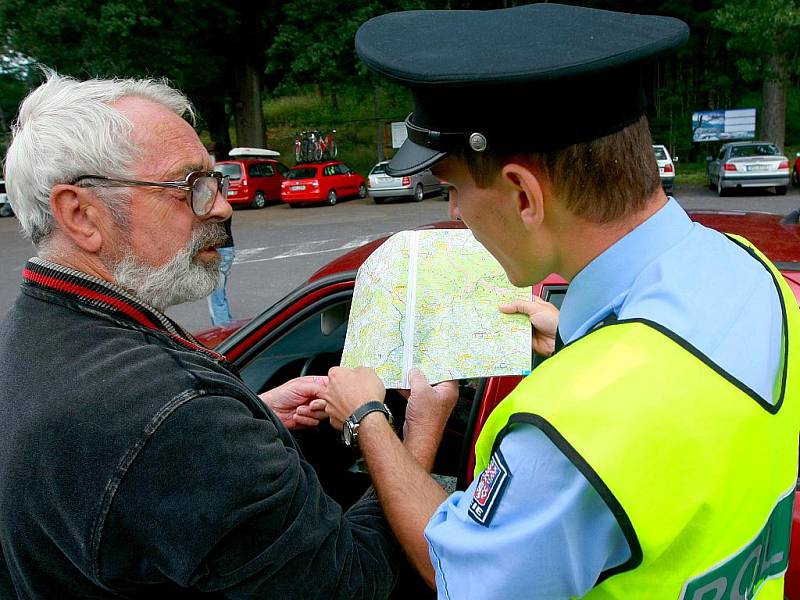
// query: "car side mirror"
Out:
[797,154]
[709,158]
[675,159]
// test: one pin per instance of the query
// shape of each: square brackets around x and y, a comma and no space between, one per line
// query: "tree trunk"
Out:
[378,126]
[218,122]
[773,113]
[247,112]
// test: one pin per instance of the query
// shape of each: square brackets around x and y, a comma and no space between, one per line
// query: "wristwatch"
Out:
[351,424]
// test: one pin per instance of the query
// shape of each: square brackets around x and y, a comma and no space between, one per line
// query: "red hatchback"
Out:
[321,182]
[304,333]
[253,181]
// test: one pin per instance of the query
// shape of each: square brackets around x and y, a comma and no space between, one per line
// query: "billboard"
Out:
[725,125]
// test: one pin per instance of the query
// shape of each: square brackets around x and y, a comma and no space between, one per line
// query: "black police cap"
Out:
[523,79]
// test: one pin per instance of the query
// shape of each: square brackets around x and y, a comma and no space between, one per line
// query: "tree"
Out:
[766,34]
[194,43]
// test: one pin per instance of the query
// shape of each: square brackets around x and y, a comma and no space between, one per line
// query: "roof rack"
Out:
[252,152]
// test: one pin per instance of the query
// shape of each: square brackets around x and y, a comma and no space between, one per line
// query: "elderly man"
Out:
[133,463]
[651,456]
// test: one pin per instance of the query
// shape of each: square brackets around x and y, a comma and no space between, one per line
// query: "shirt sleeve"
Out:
[547,533]
[217,500]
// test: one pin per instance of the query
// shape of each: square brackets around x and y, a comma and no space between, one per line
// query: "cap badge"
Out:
[477,141]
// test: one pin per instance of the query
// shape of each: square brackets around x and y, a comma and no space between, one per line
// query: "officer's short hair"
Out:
[601,180]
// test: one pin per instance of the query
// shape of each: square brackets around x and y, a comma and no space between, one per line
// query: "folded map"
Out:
[429,299]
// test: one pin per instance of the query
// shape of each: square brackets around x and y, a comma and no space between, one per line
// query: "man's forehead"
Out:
[169,147]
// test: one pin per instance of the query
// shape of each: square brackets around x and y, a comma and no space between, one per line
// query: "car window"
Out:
[315,343]
[342,169]
[660,154]
[282,168]
[233,170]
[301,173]
[2,187]
[378,169]
[329,170]
[754,150]
[721,154]
[261,170]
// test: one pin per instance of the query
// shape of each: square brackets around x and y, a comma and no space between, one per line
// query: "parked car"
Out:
[746,165]
[304,334]
[255,176]
[666,167]
[383,186]
[5,205]
[321,182]
[796,170]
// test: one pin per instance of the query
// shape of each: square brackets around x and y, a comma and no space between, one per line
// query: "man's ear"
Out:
[528,193]
[79,215]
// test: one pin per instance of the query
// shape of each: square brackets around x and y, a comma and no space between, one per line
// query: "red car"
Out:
[253,181]
[304,334]
[321,182]
[796,171]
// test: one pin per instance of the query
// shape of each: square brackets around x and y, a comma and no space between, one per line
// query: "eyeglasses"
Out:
[201,187]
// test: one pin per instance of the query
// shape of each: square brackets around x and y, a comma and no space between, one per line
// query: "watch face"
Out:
[347,434]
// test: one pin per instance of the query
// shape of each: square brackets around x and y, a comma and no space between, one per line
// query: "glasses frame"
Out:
[186,185]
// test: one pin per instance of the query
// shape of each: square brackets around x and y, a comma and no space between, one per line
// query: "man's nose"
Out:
[221,209]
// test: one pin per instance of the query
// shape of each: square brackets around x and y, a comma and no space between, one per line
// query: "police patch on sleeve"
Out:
[491,485]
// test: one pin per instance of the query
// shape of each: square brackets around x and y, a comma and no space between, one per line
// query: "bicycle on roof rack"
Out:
[314,145]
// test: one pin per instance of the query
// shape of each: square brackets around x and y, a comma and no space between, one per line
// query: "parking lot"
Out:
[278,248]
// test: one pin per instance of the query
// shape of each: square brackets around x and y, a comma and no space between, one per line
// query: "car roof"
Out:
[229,161]
[747,143]
[779,241]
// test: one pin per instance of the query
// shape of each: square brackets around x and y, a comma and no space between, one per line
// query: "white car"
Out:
[5,205]
[666,167]
[383,186]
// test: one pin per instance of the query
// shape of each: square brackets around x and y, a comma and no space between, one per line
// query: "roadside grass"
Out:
[352,115]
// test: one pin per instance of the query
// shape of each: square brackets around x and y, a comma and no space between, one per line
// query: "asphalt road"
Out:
[277,248]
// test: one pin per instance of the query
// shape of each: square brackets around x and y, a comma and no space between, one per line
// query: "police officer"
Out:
[654,454]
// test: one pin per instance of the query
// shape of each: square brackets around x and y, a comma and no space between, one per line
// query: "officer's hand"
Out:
[298,403]
[544,318]
[348,389]
[428,407]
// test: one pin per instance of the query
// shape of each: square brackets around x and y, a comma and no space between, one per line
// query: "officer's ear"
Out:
[528,186]
[80,215]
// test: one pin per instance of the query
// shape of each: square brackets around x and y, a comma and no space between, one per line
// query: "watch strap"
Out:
[363,410]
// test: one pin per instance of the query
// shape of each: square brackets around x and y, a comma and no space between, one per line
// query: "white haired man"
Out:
[133,461]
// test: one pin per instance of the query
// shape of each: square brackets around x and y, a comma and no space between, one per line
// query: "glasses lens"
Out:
[204,192]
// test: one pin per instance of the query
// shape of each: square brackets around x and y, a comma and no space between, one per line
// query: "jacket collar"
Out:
[97,294]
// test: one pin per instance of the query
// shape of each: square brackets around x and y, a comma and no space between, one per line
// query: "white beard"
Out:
[182,279]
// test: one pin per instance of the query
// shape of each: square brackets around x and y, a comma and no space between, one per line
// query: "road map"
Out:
[428,299]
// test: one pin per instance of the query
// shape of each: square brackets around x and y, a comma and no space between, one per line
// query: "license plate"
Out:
[298,188]
[757,167]
[231,192]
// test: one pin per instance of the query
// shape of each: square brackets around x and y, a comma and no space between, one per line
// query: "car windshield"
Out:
[660,154]
[378,170]
[754,150]
[302,173]
[233,170]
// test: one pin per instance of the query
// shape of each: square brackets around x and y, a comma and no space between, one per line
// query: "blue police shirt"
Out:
[550,534]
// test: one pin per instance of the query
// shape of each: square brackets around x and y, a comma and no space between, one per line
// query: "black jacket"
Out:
[134,464]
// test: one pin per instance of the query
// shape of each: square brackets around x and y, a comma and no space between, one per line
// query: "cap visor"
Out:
[412,158]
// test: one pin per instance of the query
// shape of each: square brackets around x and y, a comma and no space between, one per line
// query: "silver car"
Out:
[748,164]
[5,205]
[417,186]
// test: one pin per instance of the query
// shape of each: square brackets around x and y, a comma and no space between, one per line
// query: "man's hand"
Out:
[348,389]
[544,318]
[428,407]
[298,403]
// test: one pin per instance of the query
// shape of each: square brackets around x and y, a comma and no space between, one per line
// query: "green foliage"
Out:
[762,29]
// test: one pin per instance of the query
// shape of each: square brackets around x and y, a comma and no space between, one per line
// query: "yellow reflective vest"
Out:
[698,470]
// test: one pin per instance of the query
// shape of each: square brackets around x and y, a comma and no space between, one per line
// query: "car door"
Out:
[348,181]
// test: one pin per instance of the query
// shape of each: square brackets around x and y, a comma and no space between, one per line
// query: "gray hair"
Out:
[67,128]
